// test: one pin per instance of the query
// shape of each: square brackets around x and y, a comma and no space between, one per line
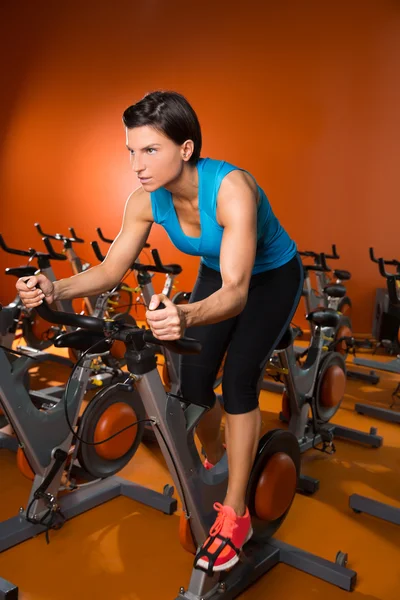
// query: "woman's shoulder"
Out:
[224,169]
[139,203]
[139,195]
[237,180]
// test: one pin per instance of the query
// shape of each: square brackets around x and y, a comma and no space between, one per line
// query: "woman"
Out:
[247,290]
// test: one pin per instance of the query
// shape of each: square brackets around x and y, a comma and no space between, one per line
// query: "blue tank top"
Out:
[274,247]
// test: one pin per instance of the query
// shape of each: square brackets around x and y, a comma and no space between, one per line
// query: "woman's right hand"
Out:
[34,297]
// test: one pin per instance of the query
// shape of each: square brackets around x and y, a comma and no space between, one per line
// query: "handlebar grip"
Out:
[160,306]
[71,319]
[372,256]
[309,254]
[324,266]
[76,239]
[334,255]
[97,251]
[382,269]
[183,345]
[157,259]
[51,236]
[40,230]
[51,252]
[102,236]
[6,248]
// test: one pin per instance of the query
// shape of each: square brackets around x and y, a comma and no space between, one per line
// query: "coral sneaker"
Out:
[229,533]
[207,465]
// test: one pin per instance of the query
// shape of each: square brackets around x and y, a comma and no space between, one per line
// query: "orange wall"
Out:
[303,94]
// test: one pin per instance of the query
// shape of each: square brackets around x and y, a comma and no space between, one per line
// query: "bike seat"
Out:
[81,340]
[335,291]
[21,271]
[286,340]
[343,275]
[324,317]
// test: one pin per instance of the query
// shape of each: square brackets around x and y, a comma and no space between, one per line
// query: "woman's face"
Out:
[156,159]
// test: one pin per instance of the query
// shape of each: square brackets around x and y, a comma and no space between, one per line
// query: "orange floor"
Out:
[125,551]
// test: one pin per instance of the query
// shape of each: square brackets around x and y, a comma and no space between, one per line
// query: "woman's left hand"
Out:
[167,323]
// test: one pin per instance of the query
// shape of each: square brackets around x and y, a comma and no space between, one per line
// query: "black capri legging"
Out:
[248,339]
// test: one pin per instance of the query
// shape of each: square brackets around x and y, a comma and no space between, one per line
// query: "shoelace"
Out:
[223,521]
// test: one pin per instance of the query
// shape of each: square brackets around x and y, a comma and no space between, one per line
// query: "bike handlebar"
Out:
[16,251]
[51,252]
[75,238]
[59,236]
[122,330]
[308,254]
[110,240]
[334,255]
[324,265]
[32,253]
[158,266]
[394,262]
[316,255]
[320,264]
[102,236]
[385,273]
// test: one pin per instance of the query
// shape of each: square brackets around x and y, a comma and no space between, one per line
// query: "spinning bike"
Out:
[392,314]
[66,449]
[272,483]
[316,382]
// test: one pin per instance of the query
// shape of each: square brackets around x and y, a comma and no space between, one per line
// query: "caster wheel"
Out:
[373,430]
[168,490]
[342,559]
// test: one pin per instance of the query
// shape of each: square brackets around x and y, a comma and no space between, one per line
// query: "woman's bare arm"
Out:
[125,249]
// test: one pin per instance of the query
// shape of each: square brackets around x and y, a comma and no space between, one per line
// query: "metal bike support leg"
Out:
[309,485]
[255,562]
[17,529]
[392,366]
[361,504]
[370,377]
[386,414]
[339,431]
[8,591]
[361,437]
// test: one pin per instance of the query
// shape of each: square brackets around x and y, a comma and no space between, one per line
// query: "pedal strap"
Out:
[52,519]
[212,557]
[328,446]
